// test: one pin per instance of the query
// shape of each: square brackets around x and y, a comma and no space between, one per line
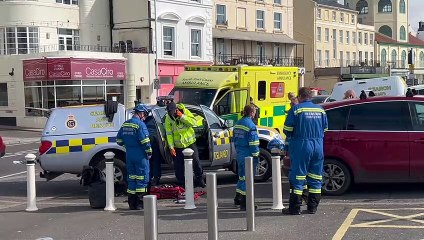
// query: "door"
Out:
[159,116]
[230,106]
[416,138]
[376,141]
[219,139]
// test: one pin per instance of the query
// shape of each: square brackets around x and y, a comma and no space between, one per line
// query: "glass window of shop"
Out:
[41,96]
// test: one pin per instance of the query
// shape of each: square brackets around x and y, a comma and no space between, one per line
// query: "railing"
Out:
[346,63]
[85,48]
[255,60]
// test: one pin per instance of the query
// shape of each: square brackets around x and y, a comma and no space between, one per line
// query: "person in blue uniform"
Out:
[246,142]
[305,126]
[133,135]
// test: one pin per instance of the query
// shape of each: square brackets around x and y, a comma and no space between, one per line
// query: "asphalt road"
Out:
[383,211]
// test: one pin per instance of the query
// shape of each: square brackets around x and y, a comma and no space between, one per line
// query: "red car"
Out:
[2,147]
[376,140]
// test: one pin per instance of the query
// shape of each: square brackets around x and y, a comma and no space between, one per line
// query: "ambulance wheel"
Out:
[263,169]
[337,177]
[119,169]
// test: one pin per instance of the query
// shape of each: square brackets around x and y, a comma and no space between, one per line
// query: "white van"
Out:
[385,86]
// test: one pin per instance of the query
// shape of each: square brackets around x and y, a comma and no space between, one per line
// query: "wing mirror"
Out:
[229,123]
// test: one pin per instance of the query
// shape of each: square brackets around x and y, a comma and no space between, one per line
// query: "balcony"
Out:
[257,60]
[346,63]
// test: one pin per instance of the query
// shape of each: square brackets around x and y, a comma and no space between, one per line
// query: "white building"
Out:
[184,33]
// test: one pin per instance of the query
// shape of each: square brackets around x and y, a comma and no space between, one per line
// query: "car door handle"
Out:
[351,139]
[419,141]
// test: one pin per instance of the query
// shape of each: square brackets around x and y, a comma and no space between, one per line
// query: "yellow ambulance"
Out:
[227,89]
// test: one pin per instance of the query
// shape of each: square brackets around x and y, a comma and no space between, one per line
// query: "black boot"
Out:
[140,203]
[313,201]
[243,203]
[305,196]
[200,182]
[132,201]
[154,181]
[237,199]
[294,205]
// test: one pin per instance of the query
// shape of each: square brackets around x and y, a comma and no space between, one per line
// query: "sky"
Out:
[416,12]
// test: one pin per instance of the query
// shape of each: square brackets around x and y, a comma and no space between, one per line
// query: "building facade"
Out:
[255,33]
[183,33]
[335,40]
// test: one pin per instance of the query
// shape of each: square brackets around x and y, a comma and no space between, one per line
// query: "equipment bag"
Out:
[172,191]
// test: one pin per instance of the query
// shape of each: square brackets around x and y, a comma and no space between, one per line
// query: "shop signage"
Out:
[74,69]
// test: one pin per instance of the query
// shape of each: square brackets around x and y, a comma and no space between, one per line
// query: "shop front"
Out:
[61,82]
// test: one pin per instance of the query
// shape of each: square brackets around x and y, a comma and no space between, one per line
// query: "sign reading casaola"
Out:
[98,72]
[196,81]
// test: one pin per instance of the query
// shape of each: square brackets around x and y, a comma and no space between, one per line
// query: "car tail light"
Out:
[44,147]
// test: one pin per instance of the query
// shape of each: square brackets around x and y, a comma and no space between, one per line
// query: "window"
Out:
[394,57]
[196,39]
[352,19]
[386,30]
[402,33]
[354,37]
[341,36]
[341,17]
[366,57]
[371,57]
[319,12]
[69,39]
[371,39]
[366,38]
[354,57]
[4,100]
[68,2]
[327,58]
[334,16]
[261,90]
[417,113]
[403,59]
[319,34]
[347,37]
[277,21]
[341,58]
[360,38]
[402,7]
[422,59]
[326,15]
[165,80]
[241,17]
[221,15]
[327,35]
[348,58]
[360,56]
[227,104]
[168,41]
[337,118]
[319,57]
[19,40]
[383,57]
[384,6]
[362,7]
[261,52]
[278,2]
[213,120]
[378,116]
[260,19]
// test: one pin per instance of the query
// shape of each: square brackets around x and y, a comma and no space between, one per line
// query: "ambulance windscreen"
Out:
[194,96]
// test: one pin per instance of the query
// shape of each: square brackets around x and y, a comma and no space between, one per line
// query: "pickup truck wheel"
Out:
[263,169]
[119,168]
[337,177]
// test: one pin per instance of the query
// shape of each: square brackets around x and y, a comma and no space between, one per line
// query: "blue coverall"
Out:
[246,142]
[134,136]
[305,126]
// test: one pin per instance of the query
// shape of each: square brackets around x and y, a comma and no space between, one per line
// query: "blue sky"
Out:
[416,12]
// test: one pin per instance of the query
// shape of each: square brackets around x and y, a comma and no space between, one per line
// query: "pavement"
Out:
[373,211]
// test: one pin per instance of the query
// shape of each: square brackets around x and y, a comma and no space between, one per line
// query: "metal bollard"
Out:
[250,195]
[212,206]
[150,218]
[110,186]
[188,173]
[31,191]
[277,195]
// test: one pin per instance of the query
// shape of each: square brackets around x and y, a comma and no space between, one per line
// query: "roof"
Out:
[253,36]
[333,3]
[347,102]
[381,38]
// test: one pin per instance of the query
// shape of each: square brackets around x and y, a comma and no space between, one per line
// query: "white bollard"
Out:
[110,186]
[188,173]
[31,191]
[150,218]
[277,195]
[250,195]
[212,204]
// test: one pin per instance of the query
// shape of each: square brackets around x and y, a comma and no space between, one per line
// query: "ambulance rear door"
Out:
[230,106]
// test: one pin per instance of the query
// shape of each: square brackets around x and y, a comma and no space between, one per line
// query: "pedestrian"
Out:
[257,116]
[156,159]
[349,94]
[246,142]
[293,99]
[133,135]
[179,123]
[305,125]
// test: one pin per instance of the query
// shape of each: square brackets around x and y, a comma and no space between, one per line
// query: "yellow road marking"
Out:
[394,217]
[346,224]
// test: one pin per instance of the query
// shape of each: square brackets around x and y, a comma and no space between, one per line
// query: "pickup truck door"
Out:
[159,115]
[219,138]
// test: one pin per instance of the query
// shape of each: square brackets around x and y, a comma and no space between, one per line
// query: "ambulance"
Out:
[227,89]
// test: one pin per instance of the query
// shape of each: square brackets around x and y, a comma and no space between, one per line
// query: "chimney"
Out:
[420,33]
[421,26]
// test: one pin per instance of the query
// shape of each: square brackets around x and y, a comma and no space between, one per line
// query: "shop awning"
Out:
[253,36]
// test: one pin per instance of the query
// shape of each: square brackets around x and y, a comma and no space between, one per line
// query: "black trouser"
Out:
[179,164]
[155,161]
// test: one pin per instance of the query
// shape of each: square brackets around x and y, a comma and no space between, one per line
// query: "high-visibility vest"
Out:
[180,132]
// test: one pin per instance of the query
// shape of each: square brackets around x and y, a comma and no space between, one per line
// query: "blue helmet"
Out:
[277,142]
[141,108]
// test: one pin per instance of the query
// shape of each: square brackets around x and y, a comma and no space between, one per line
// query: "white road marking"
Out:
[20,153]
[11,175]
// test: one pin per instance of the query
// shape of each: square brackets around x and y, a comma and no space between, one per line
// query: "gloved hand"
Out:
[173,152]
[178,113]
